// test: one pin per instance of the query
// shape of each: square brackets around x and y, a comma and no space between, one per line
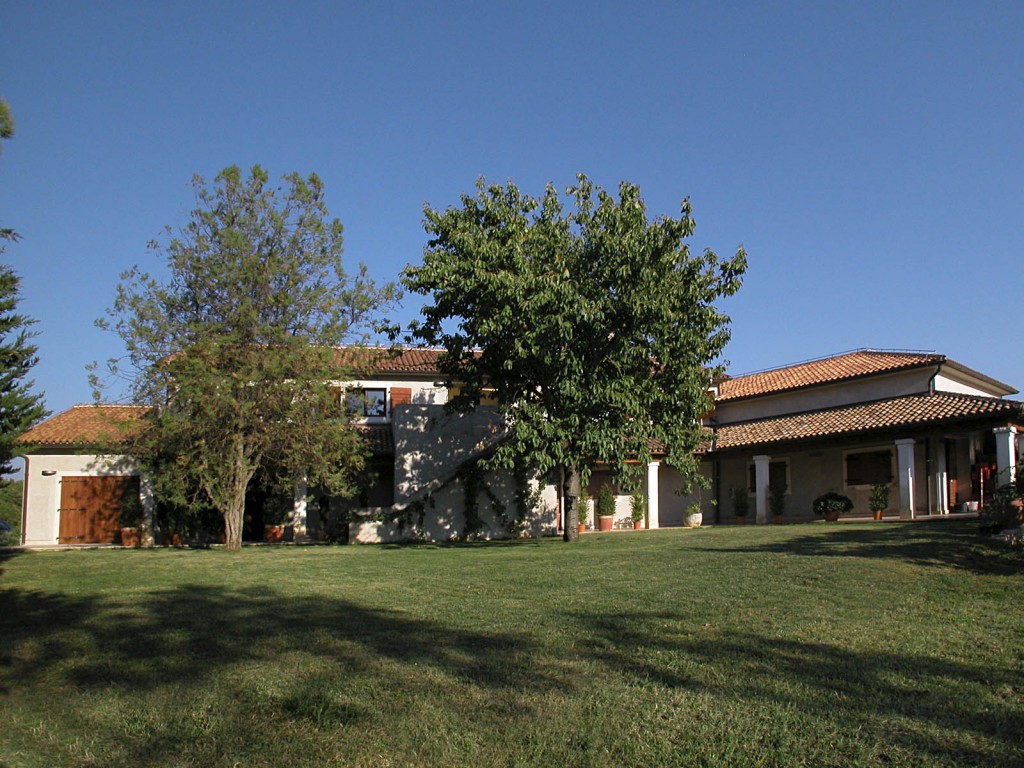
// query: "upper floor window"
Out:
[367,402]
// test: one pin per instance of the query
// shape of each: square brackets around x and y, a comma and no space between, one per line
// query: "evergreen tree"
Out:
[20,408]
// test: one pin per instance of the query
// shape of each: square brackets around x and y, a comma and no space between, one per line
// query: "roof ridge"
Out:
[834,355]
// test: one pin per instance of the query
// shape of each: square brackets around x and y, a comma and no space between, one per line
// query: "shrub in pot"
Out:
[130,519]
[830,505]
[740,503]
[638,510]
[879,499]
[583,510]
[605,508]
[694,517]
[777,500]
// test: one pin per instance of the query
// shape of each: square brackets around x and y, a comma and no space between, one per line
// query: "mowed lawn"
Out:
[789,645]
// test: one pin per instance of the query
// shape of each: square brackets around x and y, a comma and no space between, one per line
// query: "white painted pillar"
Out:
[299,508]
[653,491]
[761,464]
[941,479]
[906,476]
[148,501]
[1006,455]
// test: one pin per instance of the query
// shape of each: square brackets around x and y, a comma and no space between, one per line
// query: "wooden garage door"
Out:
[90,508]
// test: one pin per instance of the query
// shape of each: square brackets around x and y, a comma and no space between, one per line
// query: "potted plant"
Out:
[694,517]
[777,500]
[740,504]
[583,506]
[605,508]
[638,510]
[830,505]
[879,499]
[131,521]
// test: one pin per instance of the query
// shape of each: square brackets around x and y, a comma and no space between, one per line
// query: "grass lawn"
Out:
[784,645]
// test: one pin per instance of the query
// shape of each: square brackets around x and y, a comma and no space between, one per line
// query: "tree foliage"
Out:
[592,327]
[20,408]
[234,346]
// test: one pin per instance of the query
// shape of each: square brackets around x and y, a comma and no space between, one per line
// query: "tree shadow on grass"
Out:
[185,641]
[955,544]
[965,713]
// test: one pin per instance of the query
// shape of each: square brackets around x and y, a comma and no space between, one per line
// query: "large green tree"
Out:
[592,327]
[233,344]
[20,408]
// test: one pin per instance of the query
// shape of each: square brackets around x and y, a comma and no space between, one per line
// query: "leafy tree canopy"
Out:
[234,346]
[592,327]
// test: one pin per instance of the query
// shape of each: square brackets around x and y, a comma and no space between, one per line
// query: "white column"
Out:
[148,502]
[905,462]
[761,488]
[941,479]
[1006,455]
[299,508]
[653,490]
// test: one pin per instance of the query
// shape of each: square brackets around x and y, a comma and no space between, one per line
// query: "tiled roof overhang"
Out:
[851,365]
[901,414]
[382,360]
[83,425]
[379,439]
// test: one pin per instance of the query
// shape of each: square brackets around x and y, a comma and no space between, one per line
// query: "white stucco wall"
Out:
[430,443]
[672,502]
[962,386]
[444,514]
[43,476]
[844,393]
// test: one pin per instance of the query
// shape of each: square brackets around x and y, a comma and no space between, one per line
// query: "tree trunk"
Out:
[234,510]
[233,517]
[571,492]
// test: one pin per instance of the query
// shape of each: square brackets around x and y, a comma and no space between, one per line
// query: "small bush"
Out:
[638,507]
[605,501]
[740,501]
[832,502]
[777,498]
[879,499]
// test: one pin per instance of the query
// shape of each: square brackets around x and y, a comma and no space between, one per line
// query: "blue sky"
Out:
[869,156]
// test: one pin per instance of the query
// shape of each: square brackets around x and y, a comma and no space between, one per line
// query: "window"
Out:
[778,472]
[868,467]
[367,402]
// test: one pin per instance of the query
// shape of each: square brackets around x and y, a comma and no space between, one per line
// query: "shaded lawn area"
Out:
[787,645]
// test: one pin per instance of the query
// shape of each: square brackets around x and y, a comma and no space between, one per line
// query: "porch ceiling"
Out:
[896,414]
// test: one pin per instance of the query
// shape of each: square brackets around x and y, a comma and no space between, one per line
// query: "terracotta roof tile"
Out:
[901,412]
[382,360]
[379,439]
[850,365]
[85,424]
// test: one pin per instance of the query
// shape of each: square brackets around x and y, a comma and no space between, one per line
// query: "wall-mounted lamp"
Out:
[49,472]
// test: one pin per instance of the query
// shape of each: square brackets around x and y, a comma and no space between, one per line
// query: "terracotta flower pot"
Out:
[831,516]
[638,525]
[583,527]
[273,533]
[741,521]
[605,522]
[130,537]
[878,514]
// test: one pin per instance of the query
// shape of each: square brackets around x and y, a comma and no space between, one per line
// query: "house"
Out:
[942,434]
